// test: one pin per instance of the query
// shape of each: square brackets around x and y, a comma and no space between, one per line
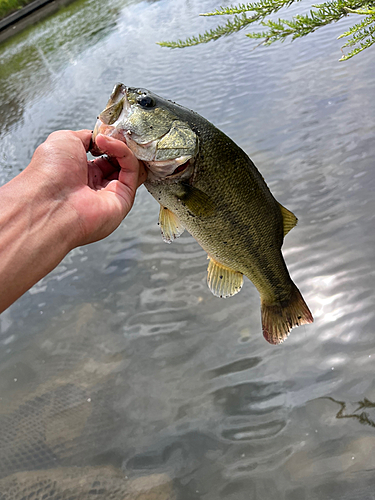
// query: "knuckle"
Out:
[43,149]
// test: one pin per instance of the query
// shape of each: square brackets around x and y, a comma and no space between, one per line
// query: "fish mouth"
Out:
[101,128]
[117,121]
[157,170]
[181,168]
[113,122]
[118,108]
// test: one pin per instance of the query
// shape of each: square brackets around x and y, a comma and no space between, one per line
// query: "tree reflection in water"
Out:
[363,417]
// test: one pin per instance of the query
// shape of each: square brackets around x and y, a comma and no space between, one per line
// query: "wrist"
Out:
[35,234]
[43,212]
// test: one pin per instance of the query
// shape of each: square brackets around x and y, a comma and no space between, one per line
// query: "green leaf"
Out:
[362,34]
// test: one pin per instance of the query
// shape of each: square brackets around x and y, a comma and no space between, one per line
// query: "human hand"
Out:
[61,201]
[100,193]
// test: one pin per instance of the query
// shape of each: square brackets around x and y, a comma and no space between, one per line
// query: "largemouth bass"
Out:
[207,185]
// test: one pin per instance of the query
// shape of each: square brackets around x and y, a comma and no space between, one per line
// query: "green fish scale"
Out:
[246,231]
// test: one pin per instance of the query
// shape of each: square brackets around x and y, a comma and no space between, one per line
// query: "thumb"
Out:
[133,172]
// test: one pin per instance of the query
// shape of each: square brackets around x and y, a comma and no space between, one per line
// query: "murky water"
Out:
[122,357]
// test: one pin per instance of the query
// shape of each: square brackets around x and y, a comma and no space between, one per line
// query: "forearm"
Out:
[35,235]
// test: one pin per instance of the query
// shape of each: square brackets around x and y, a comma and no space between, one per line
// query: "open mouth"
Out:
[101,128]
[161,169]
[180,168]
[158,169]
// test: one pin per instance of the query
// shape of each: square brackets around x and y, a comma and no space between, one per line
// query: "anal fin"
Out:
[223,281]
[170,226]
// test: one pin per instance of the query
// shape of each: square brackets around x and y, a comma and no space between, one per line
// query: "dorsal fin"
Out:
[289,219]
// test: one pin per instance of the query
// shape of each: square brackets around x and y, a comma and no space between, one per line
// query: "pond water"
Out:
[121,358]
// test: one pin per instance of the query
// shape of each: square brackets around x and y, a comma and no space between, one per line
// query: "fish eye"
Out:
[146,101]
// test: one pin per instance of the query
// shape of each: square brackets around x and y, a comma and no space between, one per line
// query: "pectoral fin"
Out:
[198,202]
[289,219]
[170,226]
[223,281]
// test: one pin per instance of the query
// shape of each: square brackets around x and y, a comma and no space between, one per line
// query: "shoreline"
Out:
[30,14]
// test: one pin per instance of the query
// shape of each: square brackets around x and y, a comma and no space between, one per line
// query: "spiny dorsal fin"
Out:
[289,219]
[223,281]
[170,226]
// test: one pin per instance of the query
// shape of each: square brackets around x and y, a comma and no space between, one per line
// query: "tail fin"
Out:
[279,318]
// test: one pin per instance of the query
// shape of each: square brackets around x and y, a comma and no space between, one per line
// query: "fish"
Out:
[209,186]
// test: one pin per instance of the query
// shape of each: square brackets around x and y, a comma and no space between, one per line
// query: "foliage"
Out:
[9,6]
[362,34]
